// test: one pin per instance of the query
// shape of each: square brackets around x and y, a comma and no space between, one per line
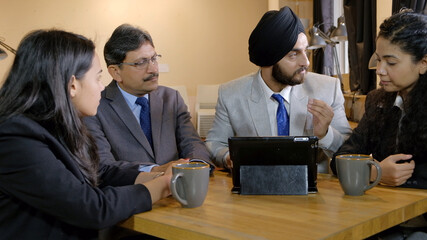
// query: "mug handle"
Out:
[173,189]
[377,180]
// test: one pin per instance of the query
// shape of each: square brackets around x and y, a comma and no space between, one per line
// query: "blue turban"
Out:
[274,36]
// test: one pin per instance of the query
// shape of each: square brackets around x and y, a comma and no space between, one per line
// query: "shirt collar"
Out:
[130,99]
[285,93]
[398,102]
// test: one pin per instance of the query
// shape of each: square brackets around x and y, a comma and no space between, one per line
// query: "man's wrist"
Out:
[146,168]
[224,160]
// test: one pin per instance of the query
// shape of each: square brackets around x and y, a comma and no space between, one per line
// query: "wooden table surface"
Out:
[328,214]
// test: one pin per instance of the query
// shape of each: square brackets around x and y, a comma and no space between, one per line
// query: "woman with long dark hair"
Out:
[51,183]
[394,126]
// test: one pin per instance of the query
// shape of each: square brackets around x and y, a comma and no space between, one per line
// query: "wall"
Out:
[302,8]
[383,11]
[202,41]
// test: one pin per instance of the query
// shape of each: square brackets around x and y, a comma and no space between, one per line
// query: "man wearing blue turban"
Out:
[282,98]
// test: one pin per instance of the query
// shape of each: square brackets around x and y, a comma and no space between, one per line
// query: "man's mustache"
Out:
[151,76]
[301,69]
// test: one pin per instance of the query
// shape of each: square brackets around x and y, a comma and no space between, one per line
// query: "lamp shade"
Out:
[316,40]
[340,32]
[372,62]
[3,54]
[305,22]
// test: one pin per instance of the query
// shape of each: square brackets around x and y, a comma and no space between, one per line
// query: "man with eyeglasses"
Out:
[139,122]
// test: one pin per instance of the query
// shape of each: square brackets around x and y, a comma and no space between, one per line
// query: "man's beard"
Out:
[282,78]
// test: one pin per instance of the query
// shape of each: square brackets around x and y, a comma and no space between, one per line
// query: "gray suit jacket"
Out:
[241,111]
[120,138]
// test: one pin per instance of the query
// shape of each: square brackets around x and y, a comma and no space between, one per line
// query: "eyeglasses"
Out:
[143,63]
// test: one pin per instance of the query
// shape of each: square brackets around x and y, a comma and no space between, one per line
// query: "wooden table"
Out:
[329,214]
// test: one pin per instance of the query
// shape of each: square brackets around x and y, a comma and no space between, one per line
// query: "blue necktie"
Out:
[282,116]
[144,118]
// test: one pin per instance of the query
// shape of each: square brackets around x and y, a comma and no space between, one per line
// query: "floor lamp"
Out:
[319,39]
[3,53]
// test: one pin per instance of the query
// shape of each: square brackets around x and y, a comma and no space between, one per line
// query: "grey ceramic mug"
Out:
[354,173]
[190,183]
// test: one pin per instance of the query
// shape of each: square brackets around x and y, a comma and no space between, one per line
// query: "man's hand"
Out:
[393,173]
[322,116]
[164,167]
[228,162]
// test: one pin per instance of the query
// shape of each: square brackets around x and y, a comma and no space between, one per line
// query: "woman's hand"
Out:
[159,185]
[393,173]
[144,177]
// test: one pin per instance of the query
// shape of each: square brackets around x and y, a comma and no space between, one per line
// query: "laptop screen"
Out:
[282,150]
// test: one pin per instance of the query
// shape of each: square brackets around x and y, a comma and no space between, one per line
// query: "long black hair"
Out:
[38,87]
[408,31]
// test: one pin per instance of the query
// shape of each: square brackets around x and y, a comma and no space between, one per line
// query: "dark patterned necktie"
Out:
[282,116]
[144,118]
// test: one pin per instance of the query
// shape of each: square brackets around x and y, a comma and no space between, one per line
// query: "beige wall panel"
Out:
[202,41]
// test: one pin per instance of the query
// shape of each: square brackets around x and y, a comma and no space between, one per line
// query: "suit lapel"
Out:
[156,110]
[298,111]
[258,110]
[119,105]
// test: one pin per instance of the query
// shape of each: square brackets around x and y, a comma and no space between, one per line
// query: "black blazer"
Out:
[43,194]
[376,134]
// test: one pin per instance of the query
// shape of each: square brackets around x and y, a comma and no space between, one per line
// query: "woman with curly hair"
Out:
[394,126]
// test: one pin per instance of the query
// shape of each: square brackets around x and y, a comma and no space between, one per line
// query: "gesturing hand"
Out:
[322,116]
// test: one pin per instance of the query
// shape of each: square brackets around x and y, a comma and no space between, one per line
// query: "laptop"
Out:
[281,150]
